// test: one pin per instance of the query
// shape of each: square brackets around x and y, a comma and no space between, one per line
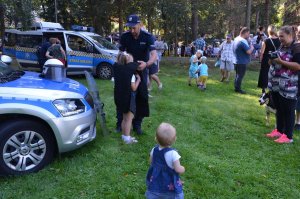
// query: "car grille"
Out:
[11,77]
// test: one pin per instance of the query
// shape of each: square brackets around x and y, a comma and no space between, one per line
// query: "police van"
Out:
[41,115]
[84,50]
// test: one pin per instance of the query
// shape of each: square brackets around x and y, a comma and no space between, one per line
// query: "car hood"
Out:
[31,84]
[114,52]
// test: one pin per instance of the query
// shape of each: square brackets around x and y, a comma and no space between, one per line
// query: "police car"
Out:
[85,50]
[40,116]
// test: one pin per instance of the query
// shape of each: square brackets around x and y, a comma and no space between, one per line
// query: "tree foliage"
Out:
[176,20]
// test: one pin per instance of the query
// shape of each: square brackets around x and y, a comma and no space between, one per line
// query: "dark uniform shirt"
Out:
[139,48]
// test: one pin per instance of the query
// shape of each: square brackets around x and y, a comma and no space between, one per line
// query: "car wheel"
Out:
[104,71]
[26,146]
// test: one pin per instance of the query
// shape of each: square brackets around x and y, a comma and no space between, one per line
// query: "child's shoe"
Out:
[130,140]
[283,139]
[160,86]
[274,134]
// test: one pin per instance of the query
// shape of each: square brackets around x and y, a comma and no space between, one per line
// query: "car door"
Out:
[79,53]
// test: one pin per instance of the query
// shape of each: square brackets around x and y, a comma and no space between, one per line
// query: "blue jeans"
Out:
[240,73]
[154,195]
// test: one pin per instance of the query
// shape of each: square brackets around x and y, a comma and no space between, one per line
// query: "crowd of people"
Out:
[279,55]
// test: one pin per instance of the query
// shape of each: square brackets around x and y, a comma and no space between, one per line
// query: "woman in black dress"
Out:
[269,45]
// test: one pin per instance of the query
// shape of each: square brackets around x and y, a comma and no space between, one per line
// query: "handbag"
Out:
[218,63]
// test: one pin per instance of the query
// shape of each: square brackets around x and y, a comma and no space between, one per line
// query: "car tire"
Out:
[104,71]
[26,146]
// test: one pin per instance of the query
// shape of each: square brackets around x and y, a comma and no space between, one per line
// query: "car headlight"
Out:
[68,107]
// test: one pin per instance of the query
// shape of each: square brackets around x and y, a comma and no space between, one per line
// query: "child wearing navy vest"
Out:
[163,179]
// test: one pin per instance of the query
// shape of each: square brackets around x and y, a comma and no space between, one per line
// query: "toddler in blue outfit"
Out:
[163,179]
[203,69]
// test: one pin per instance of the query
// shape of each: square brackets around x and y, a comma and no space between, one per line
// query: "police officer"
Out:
[140,44]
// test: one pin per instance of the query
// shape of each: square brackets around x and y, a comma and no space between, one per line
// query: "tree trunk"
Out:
[194,20]
[120,16]
[267,14]
[2,25]
[248,13]
[257,18]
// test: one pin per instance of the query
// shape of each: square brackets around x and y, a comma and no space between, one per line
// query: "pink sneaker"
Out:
[274,134]
[283,139]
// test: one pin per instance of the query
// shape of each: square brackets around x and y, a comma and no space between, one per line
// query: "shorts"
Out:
[153,69]
[227,65]
[154,195]
[203,79]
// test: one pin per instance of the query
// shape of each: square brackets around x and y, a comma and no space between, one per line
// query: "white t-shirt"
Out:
[133,79]
[170,157]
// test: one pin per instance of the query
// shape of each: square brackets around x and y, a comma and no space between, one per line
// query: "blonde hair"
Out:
[272,30]
[124,58]
[203,59]
[165,134]
[52,40]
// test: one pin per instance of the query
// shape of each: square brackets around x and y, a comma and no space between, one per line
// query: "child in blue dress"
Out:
[163,179]
[194,66]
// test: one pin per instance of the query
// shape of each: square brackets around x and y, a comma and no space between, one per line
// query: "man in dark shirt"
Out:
[42,54]
[140,44]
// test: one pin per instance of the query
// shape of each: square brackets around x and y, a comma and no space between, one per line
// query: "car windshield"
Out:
[103,43]
[5,69]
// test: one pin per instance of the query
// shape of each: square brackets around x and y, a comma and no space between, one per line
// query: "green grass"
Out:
[220,136]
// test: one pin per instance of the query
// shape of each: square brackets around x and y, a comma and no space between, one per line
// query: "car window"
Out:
[103,43]
[10,39]
[77,43]
[29,41]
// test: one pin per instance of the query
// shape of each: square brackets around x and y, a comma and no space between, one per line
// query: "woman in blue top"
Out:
[163,179]
[283,83]
[193,74]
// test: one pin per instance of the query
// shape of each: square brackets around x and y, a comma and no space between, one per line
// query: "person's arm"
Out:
[177,167]
[289,65]
[134,85]
[122,45]
[153,54]
[152,59]
[221,49]
[249,51]
[48,55]
[262,50]
[195,60]
[63,52]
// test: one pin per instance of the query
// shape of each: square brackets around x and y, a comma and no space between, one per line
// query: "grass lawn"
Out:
[220,136]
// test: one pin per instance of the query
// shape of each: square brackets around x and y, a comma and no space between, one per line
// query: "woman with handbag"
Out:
[269,45]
